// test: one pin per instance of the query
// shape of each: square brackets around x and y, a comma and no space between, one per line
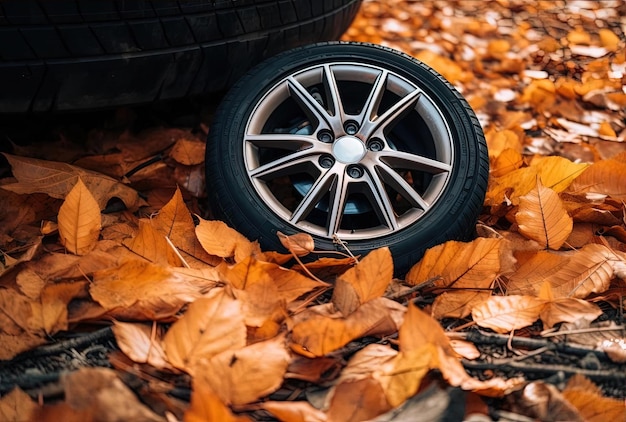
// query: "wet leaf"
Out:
[79,220]
[542,217]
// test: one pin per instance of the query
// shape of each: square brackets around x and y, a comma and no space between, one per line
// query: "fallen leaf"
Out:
[504,314]
[16,406]
[150,244]
[206,406]
[365,281]
[299,244]
[79,220]
[210,326]
[140,343]
[188,152]
[247,374]
[294,411]
[585,396]
[606,177]
[218,239]
[359,400]
[57,180]
[542,217]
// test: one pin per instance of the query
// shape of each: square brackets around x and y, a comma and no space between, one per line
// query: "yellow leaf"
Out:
[507,313]
[506,162]
[210,326]
[245,375]
[470,267]
[543,218]
[609,39]
[79,220]
[499,141]
[218,239]
[365,281]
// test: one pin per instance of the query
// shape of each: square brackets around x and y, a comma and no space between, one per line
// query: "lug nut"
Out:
[375,145]
[326,161]
[351,128]
[355,172]
[325,136]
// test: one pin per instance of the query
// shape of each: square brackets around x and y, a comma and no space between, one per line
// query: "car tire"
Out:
[358,145]
[70,55]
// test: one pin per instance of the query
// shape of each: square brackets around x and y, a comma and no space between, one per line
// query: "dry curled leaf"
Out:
[299,244]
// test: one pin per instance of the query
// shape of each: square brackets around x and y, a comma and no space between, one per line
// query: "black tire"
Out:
[62,55]
[413,179]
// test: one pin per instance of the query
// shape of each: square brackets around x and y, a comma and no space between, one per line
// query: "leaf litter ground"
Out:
[526,321]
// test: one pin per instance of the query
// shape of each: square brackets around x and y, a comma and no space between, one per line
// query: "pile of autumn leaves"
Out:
[241,323]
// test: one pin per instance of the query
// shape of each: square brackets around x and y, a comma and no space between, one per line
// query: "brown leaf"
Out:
[321,334]
[366,281]
[528,278]
[188,152]
[463,266]
[211,325]
[100,390]
[606,177]
[175,222]
[542,217]
[140,290]
[294,411]
[58,179]
[206,406]
[54,301]
[359,400]
[544,402]
[507,313]
[16,406]
[263,286]
[218,239]
[150,244]
[79,220]
[585,396]
[245,375]
[140,344]
[299,244]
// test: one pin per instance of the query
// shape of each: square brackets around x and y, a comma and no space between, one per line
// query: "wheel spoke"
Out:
[375,126]
[384,207]
[408,161]
[332,92]
[313,196]
[312,108]
[281,141]
[338,197]
[289,164]
[400,185]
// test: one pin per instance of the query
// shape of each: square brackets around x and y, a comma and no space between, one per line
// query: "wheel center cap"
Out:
[349,149]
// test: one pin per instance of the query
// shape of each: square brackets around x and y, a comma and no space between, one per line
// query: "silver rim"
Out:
[348,149]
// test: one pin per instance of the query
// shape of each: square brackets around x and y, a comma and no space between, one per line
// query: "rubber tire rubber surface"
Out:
[69,55]
[234,199]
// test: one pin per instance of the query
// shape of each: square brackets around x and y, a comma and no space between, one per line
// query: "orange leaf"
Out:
[465,266]
[587,398]
[543,218]
[359,400]
[321,334]
[300,244]
[137,342]
[366,281]
[506,162]
[175,222]
[54,300]
[206,406]
[210,326]
[237,375]
[507,313]
[16,406]
[141,290]
[294,411]
[218,239]
[151,245]
[79,220]
[607,177]
[58,179]
[568,309]
[188,152]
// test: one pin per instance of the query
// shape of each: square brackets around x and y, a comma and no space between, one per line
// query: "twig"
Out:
[412,289]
